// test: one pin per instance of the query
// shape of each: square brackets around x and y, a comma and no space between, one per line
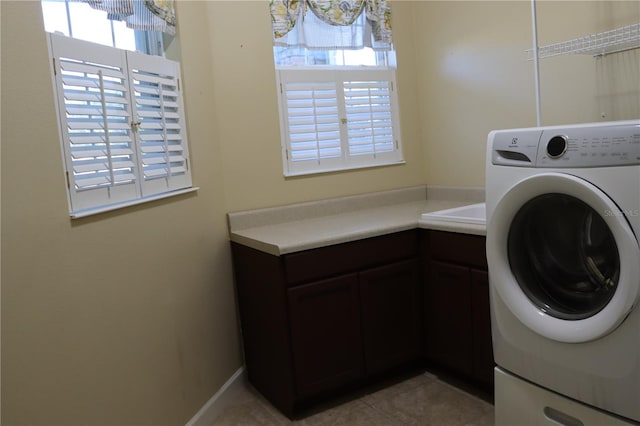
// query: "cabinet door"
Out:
[390,315]
[448,316]
[326,334]
[483,362]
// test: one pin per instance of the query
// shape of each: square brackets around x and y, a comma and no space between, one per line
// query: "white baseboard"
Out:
[220,400]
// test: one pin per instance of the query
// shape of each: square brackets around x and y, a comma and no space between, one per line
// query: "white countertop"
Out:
[295,235]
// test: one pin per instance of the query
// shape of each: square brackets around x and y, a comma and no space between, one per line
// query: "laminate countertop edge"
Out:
[298,235]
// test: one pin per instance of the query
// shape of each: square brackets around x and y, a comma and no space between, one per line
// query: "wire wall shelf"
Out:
[600,44]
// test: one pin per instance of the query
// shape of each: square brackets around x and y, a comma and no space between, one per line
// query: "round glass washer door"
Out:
[563,257]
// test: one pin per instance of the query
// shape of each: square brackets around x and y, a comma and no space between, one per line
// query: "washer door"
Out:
[563,257]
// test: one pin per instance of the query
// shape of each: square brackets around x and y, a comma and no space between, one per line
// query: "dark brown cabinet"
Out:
[326,334]
[456,299]
[448,316]
[483,361]
[320,319]
[391,313]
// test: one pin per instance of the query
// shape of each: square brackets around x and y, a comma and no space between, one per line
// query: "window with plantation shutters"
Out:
[121,125]
[336,119]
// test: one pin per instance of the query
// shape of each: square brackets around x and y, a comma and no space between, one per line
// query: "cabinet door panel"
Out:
[390,315]
[326,334]
[448,316]
[463,249]
[483,362]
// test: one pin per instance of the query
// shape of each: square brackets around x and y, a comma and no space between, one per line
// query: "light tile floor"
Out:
[423,399]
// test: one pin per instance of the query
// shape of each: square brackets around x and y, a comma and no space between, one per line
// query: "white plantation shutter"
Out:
[369,117]
[109,159]
[158,109]
[313,122]
[338,119]
[94,107]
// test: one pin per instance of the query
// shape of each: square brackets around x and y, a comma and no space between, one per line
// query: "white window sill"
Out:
[341,169]
[334,67]
[111,207]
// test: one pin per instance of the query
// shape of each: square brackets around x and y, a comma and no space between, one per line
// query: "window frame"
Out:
[338,74]
[93,200]
[147,42]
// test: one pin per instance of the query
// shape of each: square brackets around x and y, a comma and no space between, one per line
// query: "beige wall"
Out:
[475,79]
[474,76]
[123,318]
[581,88]
[129,317]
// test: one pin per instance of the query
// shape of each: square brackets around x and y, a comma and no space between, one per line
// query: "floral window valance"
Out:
[148,15]
[289,14]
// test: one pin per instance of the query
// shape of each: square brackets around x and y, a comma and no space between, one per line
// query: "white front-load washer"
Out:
[563,220]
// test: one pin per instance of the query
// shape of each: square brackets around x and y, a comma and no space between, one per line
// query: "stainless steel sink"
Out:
[473,213]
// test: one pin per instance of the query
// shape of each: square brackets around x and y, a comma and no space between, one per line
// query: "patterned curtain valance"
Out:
[336,12]
[286,13]
[149,15]
[379,16]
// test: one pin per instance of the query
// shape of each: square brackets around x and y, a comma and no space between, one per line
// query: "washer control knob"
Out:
[557,146]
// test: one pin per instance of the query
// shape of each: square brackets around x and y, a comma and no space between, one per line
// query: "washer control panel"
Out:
[594,145]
